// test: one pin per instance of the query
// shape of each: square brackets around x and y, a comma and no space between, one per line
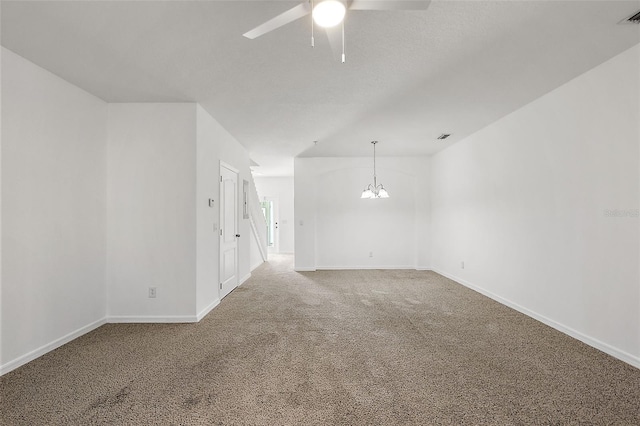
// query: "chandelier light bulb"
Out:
[328,13]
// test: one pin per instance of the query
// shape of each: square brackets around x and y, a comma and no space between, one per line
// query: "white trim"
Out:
[256,265]
[334,268]
[36,353]
[593,342]
[152,319]
[203,313]
[245,278]
[346,268]
[424,268]
[229,166]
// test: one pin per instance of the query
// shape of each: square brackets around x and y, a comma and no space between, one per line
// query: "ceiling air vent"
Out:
[444,136]
[633,19]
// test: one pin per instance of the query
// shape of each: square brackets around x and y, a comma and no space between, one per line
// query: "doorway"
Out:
[270,210]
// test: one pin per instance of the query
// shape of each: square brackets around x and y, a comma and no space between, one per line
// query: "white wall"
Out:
[280,188]
[208,187]
[337,229]
[102,202]
[164,166]
[53,211]
[1,56]
[215,144]
[151,219]
[524,203]
[234,154]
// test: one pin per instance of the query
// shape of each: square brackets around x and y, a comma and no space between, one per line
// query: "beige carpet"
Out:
[334,347]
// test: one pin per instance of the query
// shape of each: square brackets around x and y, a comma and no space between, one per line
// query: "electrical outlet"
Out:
[370,254]
[152,292]
[462,264]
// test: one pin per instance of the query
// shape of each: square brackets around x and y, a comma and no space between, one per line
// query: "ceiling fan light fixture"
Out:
[328,13]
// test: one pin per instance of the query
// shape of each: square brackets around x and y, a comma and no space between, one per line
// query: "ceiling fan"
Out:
[330,13]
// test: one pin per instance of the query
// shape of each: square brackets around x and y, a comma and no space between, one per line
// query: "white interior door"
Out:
[228,230]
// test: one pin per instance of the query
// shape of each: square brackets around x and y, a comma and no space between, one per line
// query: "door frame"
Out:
[237,230]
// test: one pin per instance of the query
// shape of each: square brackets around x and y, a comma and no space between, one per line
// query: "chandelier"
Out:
[375,190]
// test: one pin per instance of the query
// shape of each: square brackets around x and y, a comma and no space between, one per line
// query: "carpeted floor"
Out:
[329,347]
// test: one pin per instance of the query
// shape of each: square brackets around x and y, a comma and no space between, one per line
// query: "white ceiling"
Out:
[409,75]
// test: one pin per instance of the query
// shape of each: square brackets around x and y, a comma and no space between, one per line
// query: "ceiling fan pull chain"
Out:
[313,42]
[343,57]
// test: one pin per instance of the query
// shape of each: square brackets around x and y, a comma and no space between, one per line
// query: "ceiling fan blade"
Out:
[390,4]
[290,15]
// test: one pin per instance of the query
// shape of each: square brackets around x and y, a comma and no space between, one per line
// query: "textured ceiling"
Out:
[409,75]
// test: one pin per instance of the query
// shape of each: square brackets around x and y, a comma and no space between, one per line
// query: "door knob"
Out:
[238,235]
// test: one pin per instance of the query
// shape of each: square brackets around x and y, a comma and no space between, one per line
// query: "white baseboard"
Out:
[344,268]
[203,313]
[424,268]
[253,267]
[119,319]
[604,347]
[12,365]
[340,268]
[244,279]
[24,359]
